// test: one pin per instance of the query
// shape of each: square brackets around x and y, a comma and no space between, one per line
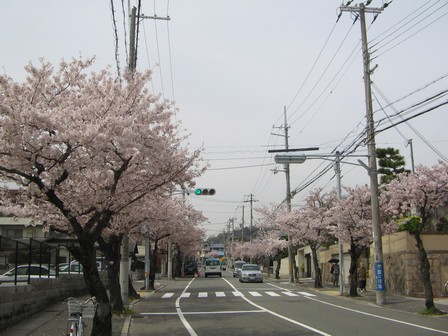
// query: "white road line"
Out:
[272,294]
[185,295]
[289,294]
[220,294]
[167,295]
[310,297]
[207,312]
[237,293]
[181,315]
[280,316]
[202,295]
[379,317]
[254,293]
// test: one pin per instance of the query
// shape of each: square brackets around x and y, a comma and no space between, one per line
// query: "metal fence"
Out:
[24,259]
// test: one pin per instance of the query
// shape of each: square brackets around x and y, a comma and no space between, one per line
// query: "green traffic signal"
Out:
[205,191]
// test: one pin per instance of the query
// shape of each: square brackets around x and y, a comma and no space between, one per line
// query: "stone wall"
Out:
[401,263]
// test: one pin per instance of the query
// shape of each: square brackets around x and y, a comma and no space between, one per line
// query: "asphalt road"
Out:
[223,306]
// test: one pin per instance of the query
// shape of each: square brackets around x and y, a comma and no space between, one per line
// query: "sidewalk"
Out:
[393,301]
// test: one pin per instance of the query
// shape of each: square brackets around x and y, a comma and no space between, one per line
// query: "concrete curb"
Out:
[127,322]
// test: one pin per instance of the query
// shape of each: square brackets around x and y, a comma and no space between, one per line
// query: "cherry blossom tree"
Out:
[168,220]
[353,214]
[419,194]
[313,225]
[83,147]
[275,224]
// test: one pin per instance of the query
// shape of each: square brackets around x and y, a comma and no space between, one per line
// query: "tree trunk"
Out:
[277,269]
[153,270]
[317,272]
[112,254]
[86,255]
[295,268]
[425,272]
[132,293]
[353,271]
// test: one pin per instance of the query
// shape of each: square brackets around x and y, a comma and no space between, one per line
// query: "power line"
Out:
[413,34]
[114,22]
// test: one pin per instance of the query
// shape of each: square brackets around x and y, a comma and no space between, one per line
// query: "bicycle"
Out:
[76,311]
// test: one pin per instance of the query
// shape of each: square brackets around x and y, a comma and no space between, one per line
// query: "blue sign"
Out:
[379,276]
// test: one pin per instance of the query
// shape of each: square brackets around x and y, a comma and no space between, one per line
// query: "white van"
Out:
[212,266]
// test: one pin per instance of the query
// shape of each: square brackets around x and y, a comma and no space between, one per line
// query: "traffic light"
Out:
[205,191]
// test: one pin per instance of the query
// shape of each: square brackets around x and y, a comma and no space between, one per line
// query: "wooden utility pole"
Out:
[360,10]
[251,201]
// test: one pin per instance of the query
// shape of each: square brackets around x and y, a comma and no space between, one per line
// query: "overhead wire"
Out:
[148,57]
[114,22]
[373,40]
[125,31]
[169,51]
[353,146]
[139,8]
[158,54]
[319,80]
[312,68]
[405,120]
[413,34]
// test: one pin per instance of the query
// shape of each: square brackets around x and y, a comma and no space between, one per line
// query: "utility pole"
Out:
[360,10]
[124,261]
[242,226]
[288,200]
[288,196]
[251,201]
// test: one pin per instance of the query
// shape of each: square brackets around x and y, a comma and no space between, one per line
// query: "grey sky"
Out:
[232,66]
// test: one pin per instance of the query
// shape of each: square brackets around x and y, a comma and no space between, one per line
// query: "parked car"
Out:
[23,271]
[251,273]
[237,267]
[190,268]
[73,267]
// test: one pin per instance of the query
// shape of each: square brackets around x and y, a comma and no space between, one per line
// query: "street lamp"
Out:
[301,158]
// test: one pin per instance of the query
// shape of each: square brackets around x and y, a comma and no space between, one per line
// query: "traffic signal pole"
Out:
[360,10]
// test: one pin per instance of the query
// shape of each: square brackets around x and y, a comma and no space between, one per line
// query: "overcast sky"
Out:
[233,66]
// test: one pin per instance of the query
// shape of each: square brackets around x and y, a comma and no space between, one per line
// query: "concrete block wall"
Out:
[17,302]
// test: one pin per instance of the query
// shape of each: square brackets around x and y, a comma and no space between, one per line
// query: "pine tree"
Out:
[391,163]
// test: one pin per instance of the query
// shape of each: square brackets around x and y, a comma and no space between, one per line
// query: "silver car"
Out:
[251,273]
[25,271]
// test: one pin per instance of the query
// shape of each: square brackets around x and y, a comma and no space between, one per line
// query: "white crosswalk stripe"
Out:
[187,295]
